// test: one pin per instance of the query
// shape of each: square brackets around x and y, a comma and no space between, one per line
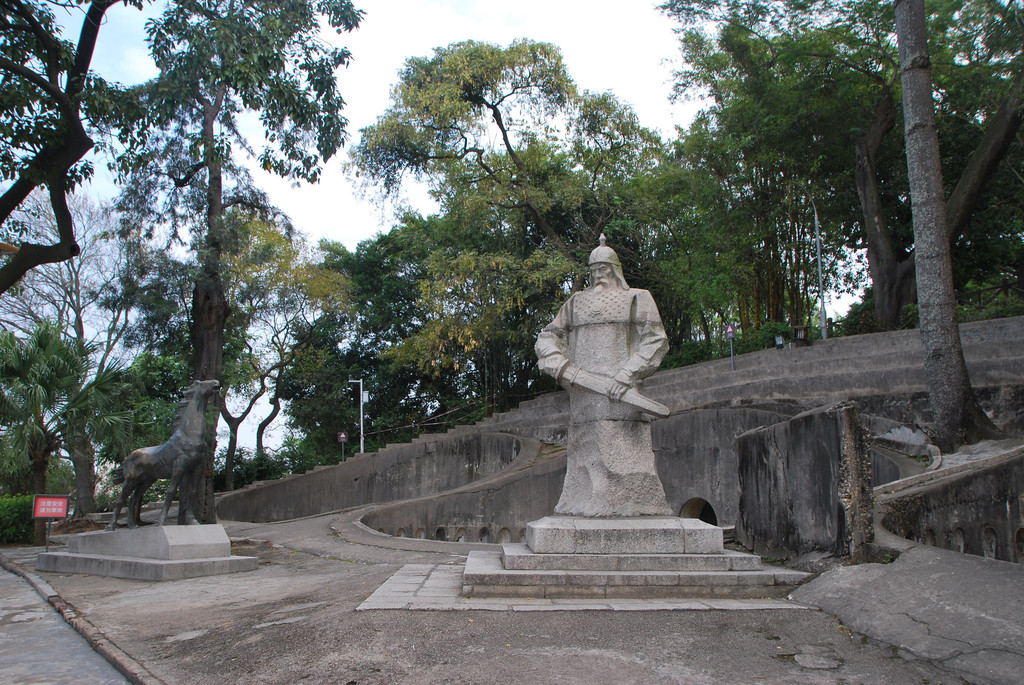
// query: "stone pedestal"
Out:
[149,553]
[626,535]
[634,557]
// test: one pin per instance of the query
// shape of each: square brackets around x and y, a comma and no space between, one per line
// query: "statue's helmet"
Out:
[602,254]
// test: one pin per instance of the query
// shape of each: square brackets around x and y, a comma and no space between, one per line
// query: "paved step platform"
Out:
[619,558]
[437,587]
[486,576]
[516,556]
[154,553]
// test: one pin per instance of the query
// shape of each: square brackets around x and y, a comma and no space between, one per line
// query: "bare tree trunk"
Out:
[958,418]
[209,312]
[261,430]
[39,464]
[210,308]
[891,281]
[229,456]
[84,461]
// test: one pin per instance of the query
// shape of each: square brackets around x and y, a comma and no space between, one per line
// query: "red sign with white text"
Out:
[50,506]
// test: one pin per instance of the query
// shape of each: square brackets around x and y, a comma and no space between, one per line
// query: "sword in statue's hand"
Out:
[573,375]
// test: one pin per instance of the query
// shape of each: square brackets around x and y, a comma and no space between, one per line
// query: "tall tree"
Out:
[528,171]
[49,93]
[982,85]
[504,129]
[46,400]
[958,418]
[275,292]
[217,59]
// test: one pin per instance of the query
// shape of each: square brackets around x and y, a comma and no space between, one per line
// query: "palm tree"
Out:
[45,400]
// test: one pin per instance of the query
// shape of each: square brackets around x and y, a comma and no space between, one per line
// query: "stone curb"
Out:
[349,528]
[131,669]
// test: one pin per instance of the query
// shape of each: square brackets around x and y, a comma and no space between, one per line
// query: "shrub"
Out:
[16,519]
[688,353]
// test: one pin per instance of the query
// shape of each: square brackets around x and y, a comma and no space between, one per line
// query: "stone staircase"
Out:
[861,366]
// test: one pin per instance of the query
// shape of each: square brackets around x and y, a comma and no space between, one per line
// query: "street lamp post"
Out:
[362,398]
[821,282]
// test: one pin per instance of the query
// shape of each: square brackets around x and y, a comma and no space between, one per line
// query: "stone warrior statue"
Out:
[602,343]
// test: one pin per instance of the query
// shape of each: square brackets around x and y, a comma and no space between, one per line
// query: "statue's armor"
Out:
[616,333]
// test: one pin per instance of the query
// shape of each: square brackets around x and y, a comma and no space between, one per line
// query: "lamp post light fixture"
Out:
[362,399]
[817,237]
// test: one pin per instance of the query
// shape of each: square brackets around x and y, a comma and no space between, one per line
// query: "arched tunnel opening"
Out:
[699,508]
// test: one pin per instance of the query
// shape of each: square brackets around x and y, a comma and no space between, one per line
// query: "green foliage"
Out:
[16,472]
[46,396]
[483,312]
[249,468]
[688,353]
[220,58]
[51,109]
[445,104]
[996,308]
[15,519]
[796,89]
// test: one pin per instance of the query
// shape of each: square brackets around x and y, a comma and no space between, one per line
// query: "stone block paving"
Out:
[438,587]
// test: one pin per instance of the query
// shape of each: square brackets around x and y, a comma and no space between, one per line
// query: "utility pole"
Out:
[817,235]
[362,399]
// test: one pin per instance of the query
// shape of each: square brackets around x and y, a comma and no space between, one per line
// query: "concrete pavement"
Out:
[38,646]
[308,612]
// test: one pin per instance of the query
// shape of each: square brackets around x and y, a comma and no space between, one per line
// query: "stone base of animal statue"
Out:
[151,553]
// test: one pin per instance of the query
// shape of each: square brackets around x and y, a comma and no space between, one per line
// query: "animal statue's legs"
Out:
[184,499]
[125,491]
[135,503]
[172,489]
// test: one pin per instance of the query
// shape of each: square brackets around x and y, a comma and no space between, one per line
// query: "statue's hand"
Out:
[619,386]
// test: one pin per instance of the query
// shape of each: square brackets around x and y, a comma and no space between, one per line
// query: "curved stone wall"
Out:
[491,510]
[474,483]
[697,462]
[423,467]
[974,508]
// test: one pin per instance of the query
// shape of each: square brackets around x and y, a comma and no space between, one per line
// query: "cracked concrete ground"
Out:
[295,618]
[960,611]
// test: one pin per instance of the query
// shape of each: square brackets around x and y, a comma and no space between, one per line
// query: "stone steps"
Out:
[627,557]
[518,557]
[485,576]
[853,366]
[863,365]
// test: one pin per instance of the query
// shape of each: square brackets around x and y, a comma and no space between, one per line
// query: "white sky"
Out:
[627,48]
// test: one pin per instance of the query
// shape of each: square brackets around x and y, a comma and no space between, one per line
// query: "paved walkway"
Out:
[308,613]
[332,601]
[38,646]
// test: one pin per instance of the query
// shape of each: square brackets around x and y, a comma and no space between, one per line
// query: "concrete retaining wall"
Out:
[423,467]
[495,511]
[805,485]
[974,508]
[696,455]
[697,461]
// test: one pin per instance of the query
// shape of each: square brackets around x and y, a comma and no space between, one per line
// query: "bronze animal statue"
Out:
[177,459]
